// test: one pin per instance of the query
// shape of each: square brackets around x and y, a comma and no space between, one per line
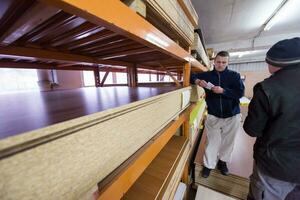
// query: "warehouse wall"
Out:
[69,79]
[253,72]
[59,79]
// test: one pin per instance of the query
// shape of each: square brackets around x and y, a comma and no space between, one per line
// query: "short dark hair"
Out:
[223,54]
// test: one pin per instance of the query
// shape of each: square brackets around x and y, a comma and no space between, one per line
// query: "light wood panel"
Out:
[150,184]
[204,193]
[72,157]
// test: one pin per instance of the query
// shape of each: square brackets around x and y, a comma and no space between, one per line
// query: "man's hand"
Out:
[201,83]
[217,90]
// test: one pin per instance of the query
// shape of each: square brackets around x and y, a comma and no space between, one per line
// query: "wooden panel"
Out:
[46,55]
[11,11]
[55,157]
[34,16]
[18,111]
[172,12]
[200,51]
[190,11]
[177,174]
[150,183]
[205,193]
[84,30]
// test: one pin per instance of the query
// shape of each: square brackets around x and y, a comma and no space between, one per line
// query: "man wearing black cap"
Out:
[274,118]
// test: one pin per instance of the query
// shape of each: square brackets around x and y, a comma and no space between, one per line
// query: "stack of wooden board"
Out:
[137,5]
[173,14]
[161,177]
[198,50]
[196,118]
[66,160]
[189,11]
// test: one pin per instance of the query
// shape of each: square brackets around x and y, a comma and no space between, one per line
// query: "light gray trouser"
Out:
[263,187]
[221,134]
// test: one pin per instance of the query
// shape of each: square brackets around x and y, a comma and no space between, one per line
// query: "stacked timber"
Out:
[176,18]
[68,159]
[197,93]
[189,10]
[137,5]
[174,15]
[198,50]
[198,113]
[196,119]
[162,176]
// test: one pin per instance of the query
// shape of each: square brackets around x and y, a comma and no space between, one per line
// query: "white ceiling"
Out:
[237,25]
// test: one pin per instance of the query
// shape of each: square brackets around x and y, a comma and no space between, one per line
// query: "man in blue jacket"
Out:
[223,89]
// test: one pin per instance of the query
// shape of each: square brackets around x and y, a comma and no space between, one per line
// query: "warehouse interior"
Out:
[96,100]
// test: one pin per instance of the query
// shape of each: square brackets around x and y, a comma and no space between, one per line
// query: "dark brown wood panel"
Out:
[26,111]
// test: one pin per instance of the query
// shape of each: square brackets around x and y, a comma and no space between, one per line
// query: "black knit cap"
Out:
[284,53]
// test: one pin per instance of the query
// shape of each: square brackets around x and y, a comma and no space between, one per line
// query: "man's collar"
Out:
[226,69]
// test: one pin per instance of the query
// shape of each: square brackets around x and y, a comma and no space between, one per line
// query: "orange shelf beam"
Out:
[117,17]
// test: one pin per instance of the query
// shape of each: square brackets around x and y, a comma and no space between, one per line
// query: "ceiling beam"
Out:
[46,55]
[84,30]
[127,53]
[11,64]
[102,35]
[23,65]
[141,31]
[33,17]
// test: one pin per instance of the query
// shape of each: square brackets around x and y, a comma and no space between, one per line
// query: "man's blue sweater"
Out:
[227,104]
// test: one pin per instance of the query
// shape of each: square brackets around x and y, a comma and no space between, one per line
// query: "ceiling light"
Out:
[240,54]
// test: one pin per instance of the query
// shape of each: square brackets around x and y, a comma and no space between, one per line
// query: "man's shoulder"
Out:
[233,73]
[203,74]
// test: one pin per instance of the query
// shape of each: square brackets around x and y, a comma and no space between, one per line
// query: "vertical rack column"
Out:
[186,74]
[97,76]
[186,129]
[132,76]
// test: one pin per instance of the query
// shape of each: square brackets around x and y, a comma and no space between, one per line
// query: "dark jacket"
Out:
[274,118]
[226,104]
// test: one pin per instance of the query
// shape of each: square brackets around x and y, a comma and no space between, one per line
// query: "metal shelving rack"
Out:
[77,35]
